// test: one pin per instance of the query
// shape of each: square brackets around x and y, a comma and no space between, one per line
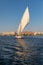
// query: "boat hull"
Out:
[18,37]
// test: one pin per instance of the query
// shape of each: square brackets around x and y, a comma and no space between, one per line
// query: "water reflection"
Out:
[23,44]
[22,53]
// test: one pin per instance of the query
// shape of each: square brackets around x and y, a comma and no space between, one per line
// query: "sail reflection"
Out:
[23,49]
[22,43]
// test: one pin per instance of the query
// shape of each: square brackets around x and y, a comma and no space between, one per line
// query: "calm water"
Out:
[26,51]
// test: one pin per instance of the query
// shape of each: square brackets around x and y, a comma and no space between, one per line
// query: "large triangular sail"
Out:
[24,21]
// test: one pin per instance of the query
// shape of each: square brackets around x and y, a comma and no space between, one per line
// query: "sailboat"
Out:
[24,22]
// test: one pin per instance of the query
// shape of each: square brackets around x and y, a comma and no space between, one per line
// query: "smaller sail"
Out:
[24,21]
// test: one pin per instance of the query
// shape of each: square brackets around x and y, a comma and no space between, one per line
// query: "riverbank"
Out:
[22,33]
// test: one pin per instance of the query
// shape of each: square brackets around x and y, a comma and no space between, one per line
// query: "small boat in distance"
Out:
[24,22]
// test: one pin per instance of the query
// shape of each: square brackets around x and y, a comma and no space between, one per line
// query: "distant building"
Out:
[7,33]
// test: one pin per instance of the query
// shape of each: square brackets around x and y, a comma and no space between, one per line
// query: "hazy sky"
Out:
[11,12]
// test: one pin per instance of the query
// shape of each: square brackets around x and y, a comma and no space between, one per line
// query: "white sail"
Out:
[24,21]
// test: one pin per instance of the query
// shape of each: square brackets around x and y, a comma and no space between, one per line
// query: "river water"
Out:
[26,51]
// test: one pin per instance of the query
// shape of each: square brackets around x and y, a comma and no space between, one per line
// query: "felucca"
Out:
[23,23]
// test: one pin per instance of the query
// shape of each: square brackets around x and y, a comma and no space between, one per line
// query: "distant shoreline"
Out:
[22,33]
